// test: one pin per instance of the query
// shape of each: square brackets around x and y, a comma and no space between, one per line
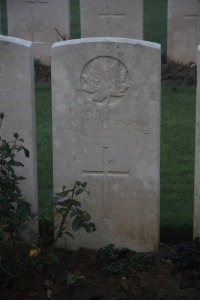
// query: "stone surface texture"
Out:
[183,30]
[112,18]
[18,105]
[197,156]
[106,131]
[0,20]
[37,21]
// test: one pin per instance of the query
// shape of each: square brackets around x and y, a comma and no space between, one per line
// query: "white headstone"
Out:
[114,18]
[106,131]
[197,156]
[183,30]
[37,21]
[18,104]
[0,20]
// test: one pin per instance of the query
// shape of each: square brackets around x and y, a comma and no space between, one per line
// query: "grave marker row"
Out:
[44,21]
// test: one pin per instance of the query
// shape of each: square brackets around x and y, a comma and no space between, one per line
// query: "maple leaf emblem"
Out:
[106,79]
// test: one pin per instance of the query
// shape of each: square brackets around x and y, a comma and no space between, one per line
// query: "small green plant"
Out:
[66,205]
[15,211]
[16,256]
[114,261]
[73,278]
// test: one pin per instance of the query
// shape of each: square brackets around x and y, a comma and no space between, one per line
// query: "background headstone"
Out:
[37,21]
[112,18]
[18,104]
[183,30]
[106,131]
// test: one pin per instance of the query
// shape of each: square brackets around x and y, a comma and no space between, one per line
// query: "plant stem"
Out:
[61,226]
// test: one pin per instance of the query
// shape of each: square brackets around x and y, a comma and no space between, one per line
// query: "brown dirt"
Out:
[42,72]
[157,283]
[172,72]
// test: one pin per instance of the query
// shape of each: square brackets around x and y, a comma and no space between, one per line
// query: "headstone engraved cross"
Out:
[197,18]
[105,172]
[110,12]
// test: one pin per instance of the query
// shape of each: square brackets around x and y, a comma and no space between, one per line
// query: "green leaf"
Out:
[26,152]
[61,195]
[78,183]
[21,178]
[61,210]
[19,148]
[92,225]
[84,184]
[65,203]
[3,172]
[73,213]
[78,191]
[87,227]
[68,202]
[77,224]
[13,162]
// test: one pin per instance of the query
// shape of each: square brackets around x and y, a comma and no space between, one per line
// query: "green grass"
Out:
[44,142]
[155,23]
[177,159]
[75,19]
[4,17]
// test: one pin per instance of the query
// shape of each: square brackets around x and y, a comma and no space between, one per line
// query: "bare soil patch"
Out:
[160,281]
